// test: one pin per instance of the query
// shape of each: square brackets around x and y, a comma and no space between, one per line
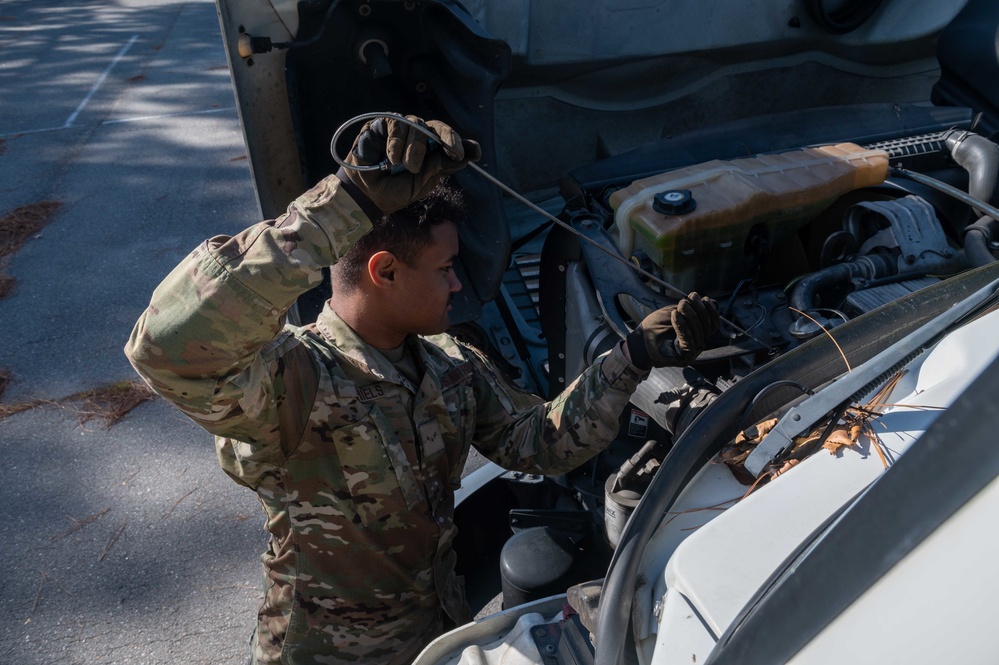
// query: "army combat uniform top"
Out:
[354,464]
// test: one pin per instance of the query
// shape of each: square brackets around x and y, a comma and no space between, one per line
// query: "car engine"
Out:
[792,243]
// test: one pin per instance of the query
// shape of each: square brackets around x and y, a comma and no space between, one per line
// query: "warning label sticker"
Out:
[638,424]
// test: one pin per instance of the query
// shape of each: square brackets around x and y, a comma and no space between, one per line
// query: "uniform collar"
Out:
[362,355]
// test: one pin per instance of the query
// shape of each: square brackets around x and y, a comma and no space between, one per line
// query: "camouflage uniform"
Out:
[354,465]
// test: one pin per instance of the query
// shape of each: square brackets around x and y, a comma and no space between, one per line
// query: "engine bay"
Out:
[792,244]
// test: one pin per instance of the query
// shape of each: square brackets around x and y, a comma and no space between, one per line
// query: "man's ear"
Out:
[383,268]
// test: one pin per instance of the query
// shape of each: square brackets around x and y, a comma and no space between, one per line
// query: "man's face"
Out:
[426,289]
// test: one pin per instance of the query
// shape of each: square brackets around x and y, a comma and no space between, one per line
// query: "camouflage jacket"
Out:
[355,466]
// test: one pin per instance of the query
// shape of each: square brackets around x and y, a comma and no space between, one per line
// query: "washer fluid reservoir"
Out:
[697,222]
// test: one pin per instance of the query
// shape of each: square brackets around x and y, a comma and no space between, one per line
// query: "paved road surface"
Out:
[129,544]
[126,545]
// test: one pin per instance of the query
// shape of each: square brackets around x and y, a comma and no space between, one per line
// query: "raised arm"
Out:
[212,340]
[203,341]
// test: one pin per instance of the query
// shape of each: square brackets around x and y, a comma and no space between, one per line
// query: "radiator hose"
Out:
[977,238]
[805,294]
[980,158]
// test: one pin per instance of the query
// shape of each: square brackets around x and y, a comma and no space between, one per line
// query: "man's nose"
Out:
[455,284]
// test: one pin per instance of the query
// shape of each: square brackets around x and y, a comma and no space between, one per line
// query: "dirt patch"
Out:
[16,227]
[22,223]
[108,404]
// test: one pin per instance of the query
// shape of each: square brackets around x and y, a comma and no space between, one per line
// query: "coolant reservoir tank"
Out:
[697,222]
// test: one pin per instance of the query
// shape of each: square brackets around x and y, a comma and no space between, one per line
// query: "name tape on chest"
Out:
[461,374]
[368,393]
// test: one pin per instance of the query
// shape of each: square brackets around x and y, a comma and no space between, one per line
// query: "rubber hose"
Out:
[807,289]
[803,297]
[977,237]
[980,158]
[811,364]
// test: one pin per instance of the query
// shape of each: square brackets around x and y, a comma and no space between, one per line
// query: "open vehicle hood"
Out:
[548,87]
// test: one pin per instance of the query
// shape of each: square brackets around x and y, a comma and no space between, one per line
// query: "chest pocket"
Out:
[378,476]
[368,456]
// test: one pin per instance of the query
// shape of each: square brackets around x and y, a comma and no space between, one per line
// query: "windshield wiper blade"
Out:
[859,381]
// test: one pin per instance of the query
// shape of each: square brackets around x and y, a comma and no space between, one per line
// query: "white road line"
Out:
[100,81]
[167,115]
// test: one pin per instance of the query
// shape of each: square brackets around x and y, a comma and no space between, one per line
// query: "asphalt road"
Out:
[128,544]
[125,544]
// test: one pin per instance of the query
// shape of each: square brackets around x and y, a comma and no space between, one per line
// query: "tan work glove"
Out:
[418,169]
[673,336]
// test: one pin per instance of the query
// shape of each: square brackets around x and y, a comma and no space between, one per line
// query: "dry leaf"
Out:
[734,455]
[844,436]
[787,466]
[756,433]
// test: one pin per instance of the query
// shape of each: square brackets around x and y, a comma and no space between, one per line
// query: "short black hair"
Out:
[404,233]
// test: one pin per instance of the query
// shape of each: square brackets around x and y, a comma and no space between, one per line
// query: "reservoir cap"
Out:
[674,202]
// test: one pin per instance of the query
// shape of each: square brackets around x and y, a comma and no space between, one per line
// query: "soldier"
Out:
[353,431]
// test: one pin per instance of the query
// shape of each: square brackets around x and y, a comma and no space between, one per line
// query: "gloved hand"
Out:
[673,336]
[401,144]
